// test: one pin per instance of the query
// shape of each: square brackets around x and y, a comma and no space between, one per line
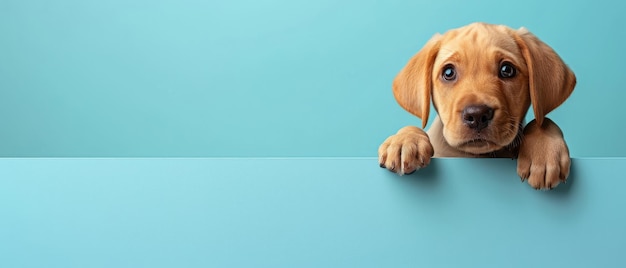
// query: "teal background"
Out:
[240,79]
[265,78]
[290,212]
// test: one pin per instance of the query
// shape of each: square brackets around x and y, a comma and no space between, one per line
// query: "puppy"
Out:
[481,79]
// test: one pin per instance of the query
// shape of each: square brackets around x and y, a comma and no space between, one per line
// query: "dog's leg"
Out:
[406,151]
[543,155]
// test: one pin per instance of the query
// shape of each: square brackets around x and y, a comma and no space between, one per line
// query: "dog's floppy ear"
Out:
[550,80]
[412,87]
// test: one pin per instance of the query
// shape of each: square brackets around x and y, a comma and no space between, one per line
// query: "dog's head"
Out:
[482,79]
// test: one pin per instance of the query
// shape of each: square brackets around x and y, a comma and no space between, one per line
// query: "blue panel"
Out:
[342,212]
[265,78]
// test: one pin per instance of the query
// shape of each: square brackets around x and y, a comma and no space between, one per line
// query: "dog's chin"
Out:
[475,143]
[478,146]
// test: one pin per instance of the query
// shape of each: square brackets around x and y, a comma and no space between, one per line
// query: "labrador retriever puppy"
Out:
[482,79]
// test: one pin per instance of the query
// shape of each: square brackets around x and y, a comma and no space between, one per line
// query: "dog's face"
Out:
[482,79]
[480,88]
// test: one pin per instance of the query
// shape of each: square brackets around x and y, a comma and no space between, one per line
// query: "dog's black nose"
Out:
[477,116]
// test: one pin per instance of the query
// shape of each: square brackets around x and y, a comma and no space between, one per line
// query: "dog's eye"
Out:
[448,74]
[507,70]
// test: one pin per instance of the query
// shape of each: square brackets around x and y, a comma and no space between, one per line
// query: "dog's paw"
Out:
[543,157]
[406,151]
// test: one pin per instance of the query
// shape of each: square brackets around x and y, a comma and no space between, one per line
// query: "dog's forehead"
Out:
[478,39]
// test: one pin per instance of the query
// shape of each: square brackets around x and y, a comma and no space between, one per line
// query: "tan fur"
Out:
[477,52]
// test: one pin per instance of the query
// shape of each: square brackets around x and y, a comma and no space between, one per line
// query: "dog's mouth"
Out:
[490,139]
